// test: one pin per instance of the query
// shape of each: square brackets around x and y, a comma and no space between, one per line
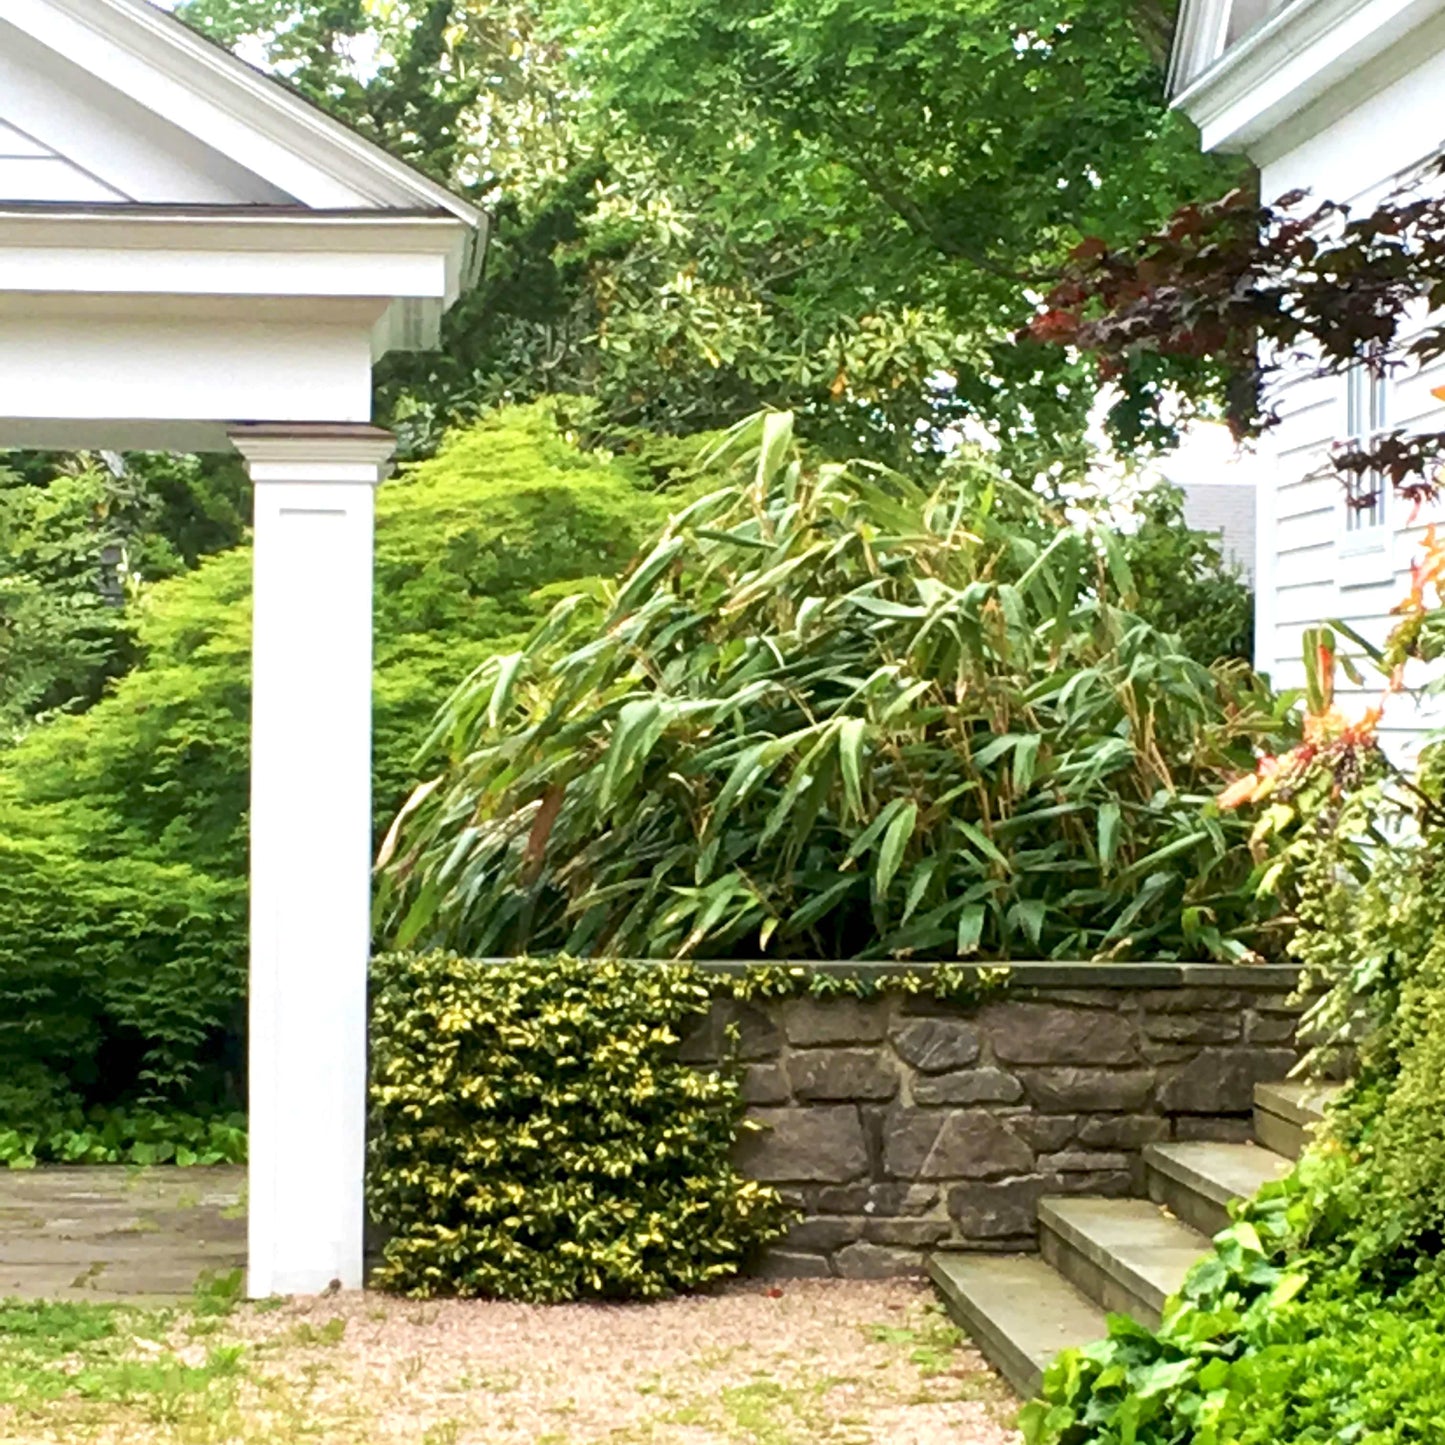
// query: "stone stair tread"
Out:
[1018,1310]
[1130,1240]
[1220,1172]
[1301,1101]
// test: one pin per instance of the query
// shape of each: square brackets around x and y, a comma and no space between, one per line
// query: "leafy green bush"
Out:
[121,1136]
[534,1136]
[1184,584]
[1277,1338]
[122,880]
[833,714]
[1318,1317]
[77,543]
[1169,1386]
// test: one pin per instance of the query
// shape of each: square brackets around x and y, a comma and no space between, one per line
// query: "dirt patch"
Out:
[811,1361]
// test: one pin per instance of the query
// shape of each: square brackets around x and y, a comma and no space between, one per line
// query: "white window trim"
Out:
[1364,555]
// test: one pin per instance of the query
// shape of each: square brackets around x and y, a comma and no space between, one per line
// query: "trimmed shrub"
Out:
[122,887]
[534,1135]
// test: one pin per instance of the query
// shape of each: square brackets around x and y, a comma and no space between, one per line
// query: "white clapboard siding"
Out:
[1310,570]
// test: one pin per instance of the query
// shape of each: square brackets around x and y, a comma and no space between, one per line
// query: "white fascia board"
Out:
[228,105]
[1291,62]
[104,252]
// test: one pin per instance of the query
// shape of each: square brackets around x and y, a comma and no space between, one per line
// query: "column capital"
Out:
[314,451]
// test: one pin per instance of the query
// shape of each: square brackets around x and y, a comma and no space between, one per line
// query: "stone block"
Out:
[792,1264]
[876,1261]
[971,1086]
[1220,1081]
[1157,1053]
[1262,1028]
[1193,1028]
[822,1145]
[997,1211]
[1083,1161]
[1071,997]
[1123,1131]
[1112,1183]
[765,1084]
[1008,1208]
[1276,1003]
[968,1144]
[842,1074]
[816,1022]
[822,1235]
[911,1233]
[1191,1000]
[757,1035]
[883,1200]
[1045,1131]
[1218,1129]
[1083,1091]
[935,1045]
[1037,1033]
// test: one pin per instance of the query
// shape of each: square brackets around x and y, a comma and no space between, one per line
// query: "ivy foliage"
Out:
[1277,1338]
[534,1135]
[836,714]
[123,827]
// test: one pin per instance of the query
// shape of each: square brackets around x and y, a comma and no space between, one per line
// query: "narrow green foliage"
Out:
[534,1135]
[832,714]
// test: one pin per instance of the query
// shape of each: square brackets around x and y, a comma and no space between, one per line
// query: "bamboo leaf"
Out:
[971,919]
[890,855]
[850,758]
[1111,815]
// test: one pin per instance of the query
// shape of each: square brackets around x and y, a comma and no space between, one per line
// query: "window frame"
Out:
[1365,549]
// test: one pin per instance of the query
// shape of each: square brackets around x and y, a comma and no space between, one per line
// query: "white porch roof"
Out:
[162,201]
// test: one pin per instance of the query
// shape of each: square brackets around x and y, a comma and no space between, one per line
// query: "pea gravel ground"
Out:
[848,1363]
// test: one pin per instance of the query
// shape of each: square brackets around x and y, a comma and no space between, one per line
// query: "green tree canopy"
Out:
[846,210]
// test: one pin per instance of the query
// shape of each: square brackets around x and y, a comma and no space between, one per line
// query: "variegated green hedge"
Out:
[534,1136]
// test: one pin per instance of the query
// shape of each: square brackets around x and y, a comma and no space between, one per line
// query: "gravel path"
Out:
[848,1363]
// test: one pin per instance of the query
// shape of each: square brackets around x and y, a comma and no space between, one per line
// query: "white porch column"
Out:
[310,848]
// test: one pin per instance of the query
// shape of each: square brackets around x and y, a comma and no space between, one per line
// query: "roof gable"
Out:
[128,105]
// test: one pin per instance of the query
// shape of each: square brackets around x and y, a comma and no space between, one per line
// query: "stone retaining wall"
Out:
[900,1123]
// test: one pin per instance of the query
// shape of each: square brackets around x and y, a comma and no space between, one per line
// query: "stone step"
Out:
[1124,1254]
[1197,1181]
[1285,1114]
[1018,1310]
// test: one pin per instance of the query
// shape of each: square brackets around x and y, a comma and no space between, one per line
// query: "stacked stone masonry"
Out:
[901,1124]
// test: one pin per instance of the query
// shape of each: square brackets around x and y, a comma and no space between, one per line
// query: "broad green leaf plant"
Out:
[832,713]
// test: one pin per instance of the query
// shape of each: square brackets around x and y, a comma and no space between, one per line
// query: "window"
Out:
[1248,15]
[1367,397]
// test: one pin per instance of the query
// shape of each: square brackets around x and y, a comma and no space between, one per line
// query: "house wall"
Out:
[1304,563]
[1225,510]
